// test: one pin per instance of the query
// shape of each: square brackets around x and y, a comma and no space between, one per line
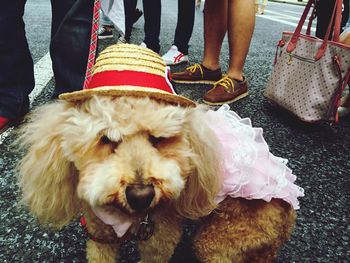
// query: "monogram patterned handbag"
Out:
[309,73]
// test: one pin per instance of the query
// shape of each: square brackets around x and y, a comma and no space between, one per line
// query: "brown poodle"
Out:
[92,154]
[150,165]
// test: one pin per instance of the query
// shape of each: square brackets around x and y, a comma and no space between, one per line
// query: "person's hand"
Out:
[198,3]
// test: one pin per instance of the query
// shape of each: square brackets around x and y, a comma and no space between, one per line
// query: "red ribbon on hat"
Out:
[129,78]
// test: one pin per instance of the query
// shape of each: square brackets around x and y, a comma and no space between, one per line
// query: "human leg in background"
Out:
[130,12]
[152,15]
[256,6]
[178,53]
[345,13]
[344,109]
[215,27]
[324,13]
[106,27]
[263,6]
[233,86]
[238,19]
[239,34]
[16,64]
[70,43]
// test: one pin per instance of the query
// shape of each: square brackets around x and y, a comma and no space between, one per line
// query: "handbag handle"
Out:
[336,18]
[311,19]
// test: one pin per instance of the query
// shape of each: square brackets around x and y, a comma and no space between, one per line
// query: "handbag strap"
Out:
[337,95]
[311,19]
[336,18]
[293,42]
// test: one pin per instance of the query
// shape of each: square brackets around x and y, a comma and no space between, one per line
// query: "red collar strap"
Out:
[115,240]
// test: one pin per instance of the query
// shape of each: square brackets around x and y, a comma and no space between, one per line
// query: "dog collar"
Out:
[143,232]
[115,240]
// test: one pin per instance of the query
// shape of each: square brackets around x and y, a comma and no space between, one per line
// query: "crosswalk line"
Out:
[274,18]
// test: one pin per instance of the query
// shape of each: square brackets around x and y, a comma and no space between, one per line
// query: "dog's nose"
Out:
[139,196]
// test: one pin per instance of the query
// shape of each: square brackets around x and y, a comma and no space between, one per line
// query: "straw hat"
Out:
[130,70]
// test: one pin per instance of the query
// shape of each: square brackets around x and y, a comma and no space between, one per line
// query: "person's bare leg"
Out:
[215,27]
[241,21]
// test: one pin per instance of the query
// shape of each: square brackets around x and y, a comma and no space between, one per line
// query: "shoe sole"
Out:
[174,64]
[105,37]
[194,81]
[226,102]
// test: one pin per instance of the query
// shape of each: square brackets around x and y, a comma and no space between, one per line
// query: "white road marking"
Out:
[273,18]
[283,15]
[293,12]
[42,74]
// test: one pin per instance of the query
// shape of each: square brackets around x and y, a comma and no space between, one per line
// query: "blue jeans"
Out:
[69,46]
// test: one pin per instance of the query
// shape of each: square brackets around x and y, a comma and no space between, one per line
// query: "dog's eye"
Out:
[156,140]
[105,140]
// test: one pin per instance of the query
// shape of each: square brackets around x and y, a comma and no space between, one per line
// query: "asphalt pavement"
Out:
[318,154]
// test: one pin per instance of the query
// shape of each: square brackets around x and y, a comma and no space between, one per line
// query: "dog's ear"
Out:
[47,179]
[198,199]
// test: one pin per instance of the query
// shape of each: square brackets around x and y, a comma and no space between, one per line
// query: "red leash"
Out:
[93,42]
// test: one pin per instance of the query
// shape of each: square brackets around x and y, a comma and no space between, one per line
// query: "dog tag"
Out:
[145,229]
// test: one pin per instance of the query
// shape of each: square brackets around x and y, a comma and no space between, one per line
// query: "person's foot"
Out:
[226,90]
[197,73]
[144,45]
[105,32]
[174,56]
[137,14]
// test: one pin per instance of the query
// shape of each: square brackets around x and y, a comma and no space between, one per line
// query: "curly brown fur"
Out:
[86,154]
[244,231]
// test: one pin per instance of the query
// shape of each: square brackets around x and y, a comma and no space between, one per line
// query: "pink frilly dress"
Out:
[250,170]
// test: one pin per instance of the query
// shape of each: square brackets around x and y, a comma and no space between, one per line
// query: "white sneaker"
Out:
[121,40]
[103,33]
[143,44]
[174,57]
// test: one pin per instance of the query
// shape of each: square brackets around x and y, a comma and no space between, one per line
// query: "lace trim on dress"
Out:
[250,170]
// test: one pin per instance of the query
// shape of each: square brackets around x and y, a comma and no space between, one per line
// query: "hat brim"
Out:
[119,91]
